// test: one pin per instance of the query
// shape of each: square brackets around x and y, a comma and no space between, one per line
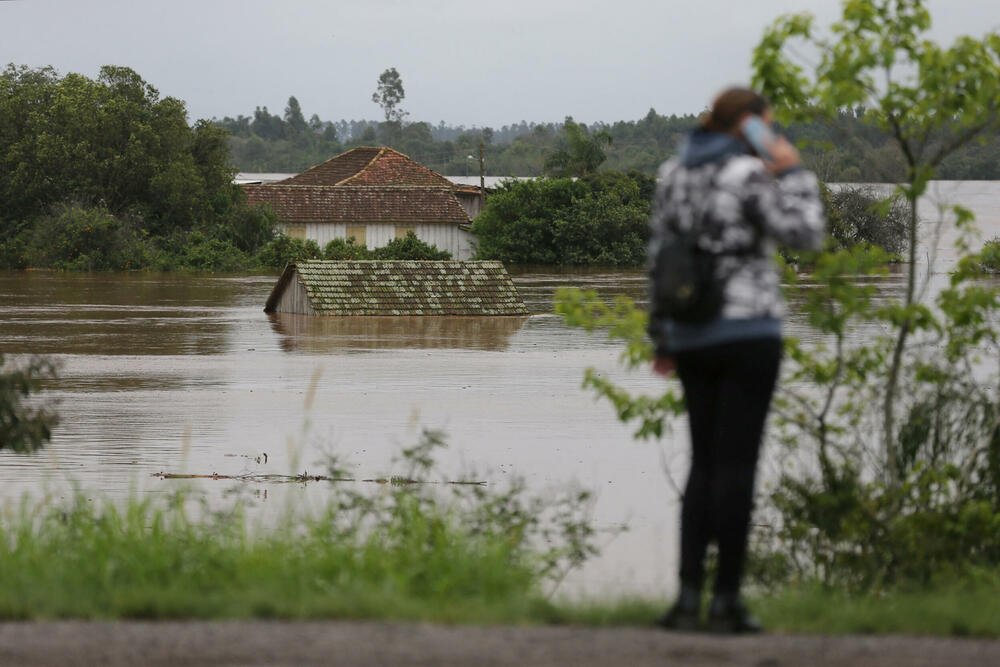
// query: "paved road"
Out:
[379,643]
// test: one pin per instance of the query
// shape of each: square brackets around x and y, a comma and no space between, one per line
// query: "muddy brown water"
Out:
[185,374]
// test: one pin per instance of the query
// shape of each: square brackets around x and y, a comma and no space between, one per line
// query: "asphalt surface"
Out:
[380,643]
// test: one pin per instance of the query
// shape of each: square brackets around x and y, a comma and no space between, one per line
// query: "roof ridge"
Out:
[381,151]
[326,162]
[419,164]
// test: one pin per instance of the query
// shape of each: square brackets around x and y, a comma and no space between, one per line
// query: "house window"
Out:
[296,231]
[402,231]
[358,234]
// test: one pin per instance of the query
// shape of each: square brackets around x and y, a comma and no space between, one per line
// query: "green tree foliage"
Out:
[861,214]
[341,249]
[578,152]
[294,118]
[201,252]
[270,143]
[927,99]
[389,94]
[991,256]
[600,220]
[284,250]
[409,247]
[88,239]
[112,142]
[24,427]
[104,174]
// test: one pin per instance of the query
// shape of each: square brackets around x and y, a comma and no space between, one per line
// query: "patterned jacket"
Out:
[741,212]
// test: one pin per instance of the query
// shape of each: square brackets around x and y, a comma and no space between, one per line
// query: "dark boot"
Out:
[686,612]
[727,615]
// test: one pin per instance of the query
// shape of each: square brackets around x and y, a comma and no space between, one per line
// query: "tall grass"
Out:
[403,552]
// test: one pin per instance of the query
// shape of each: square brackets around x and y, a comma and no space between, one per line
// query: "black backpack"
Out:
[683,282]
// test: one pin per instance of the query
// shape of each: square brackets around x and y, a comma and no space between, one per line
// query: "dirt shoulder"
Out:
[379,643]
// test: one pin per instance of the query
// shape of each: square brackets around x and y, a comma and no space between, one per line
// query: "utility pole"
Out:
[482,179]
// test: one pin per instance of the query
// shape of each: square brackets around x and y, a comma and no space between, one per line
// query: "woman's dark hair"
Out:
[729,107]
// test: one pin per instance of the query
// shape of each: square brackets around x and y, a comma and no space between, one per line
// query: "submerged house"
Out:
[373,195]
[383,287]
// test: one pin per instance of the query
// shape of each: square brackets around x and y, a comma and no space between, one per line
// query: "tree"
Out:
[929,100]
[389,94]
[105,174]
[599,220]
[579,152]
[267,126]
[294,118]
[112,142]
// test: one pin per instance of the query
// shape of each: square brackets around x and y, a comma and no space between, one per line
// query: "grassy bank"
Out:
[961,610]
[403,550]
[400,556]
[146,560]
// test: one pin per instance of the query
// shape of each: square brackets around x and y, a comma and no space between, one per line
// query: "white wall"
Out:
[445,236]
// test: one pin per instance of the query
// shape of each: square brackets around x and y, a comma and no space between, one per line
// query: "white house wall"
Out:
[445,236]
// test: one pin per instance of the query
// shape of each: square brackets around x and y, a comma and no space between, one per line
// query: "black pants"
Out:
[728,390]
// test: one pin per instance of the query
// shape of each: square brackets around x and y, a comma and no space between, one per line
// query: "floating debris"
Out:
[259,458]
[305,477]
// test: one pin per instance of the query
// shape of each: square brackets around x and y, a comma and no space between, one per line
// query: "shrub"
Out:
[202,253]
[284,249]
[248,227]
[345,249]
[15,251]
[408,247]
[91,239]
[601,220]
[989,257]
[861,214]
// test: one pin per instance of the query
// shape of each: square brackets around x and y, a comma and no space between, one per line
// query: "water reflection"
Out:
[305,333]
[538,284]
[46,312]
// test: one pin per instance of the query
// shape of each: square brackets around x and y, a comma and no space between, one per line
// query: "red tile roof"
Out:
[350,203]
[369,165]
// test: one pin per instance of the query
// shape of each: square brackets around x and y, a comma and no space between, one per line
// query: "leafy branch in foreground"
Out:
[930,100]
[24,427]
[846,507]
[627,323]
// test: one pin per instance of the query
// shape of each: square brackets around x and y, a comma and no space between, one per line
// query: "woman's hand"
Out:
[664,366]
[784,156]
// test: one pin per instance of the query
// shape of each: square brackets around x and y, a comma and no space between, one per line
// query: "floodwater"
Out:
[182,373]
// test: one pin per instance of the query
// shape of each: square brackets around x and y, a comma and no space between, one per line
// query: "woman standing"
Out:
[734,203]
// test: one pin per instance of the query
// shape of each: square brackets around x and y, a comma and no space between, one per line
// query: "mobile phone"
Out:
[759,135]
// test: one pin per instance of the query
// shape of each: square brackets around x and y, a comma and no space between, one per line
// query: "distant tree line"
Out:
[846,150]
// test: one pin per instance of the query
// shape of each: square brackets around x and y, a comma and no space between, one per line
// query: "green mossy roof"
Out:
[409,288]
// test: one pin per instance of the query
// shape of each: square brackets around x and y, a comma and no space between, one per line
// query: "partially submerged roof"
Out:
[347,204]
[369,165]
[322,287]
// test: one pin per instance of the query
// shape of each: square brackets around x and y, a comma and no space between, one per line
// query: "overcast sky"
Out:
[470,63]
